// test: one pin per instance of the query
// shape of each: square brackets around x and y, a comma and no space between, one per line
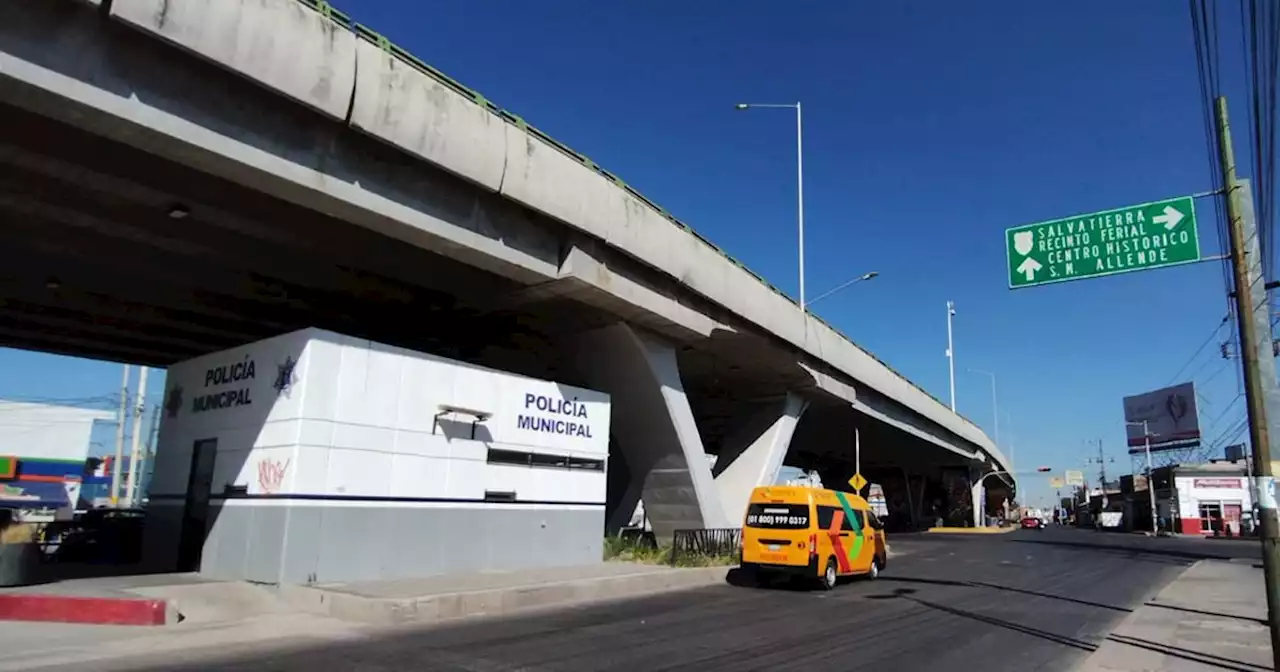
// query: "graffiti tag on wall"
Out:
[271,475]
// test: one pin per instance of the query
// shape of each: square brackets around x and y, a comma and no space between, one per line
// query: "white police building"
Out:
[313,456]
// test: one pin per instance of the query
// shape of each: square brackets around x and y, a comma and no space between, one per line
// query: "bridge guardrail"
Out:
[706,543]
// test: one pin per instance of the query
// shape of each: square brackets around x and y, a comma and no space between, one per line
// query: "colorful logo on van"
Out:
[845,558]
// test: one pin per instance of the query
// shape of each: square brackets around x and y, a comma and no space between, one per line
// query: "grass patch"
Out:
[646,552]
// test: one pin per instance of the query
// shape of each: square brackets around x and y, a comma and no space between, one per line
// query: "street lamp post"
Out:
[799,180]
[847,283]
[1151,486]
[951,354]
[995,409]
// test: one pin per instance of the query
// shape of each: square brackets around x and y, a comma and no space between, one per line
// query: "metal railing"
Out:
[706,543]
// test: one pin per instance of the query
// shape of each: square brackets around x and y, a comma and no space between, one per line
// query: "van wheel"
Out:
[830,576]
[874,572]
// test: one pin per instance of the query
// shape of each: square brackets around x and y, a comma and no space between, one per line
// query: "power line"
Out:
[1204,29]
[1260,41]
[1213,335]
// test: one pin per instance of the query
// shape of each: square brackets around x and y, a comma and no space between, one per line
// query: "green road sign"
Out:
[1134,238]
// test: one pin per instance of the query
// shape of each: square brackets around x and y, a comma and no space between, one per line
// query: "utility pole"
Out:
[1102,465]
[951,354]
[138,411]
[1250,293]
[1102,469]
[1151,484]
[121,416]
[147,451]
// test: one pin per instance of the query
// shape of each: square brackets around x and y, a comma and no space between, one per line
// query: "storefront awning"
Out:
[32,495]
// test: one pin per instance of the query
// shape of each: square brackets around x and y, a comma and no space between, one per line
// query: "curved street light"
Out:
[860,278]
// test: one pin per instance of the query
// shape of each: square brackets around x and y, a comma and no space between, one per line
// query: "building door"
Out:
[1231,517]
[195,512]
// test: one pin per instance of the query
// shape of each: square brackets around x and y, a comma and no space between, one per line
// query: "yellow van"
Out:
[812,533]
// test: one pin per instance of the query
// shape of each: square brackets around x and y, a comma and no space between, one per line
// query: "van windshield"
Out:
[778,516]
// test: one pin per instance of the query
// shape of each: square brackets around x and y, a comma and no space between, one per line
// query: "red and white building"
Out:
[1210,498]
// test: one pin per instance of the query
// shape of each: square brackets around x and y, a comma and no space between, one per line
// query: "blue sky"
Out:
[930,127]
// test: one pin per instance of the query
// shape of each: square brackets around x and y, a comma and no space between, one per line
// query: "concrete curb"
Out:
[970,530]
[94,610]
[496,601]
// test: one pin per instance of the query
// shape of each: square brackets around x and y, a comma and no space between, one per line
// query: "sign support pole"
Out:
[1245,273]
[1151,481]
[857,451]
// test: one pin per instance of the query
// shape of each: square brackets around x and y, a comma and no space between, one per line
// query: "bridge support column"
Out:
[979,511]
[752,453]
[653,426]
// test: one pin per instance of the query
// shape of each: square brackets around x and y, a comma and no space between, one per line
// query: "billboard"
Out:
[1170,414]
[1075,478]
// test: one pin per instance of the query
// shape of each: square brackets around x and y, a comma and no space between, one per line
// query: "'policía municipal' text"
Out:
[568,416]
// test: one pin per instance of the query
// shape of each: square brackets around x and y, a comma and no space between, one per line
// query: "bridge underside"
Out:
[116,244]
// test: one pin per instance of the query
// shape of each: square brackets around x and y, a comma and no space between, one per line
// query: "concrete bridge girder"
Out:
[69,63]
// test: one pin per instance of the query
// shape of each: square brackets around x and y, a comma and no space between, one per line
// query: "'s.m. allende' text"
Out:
[1105,243]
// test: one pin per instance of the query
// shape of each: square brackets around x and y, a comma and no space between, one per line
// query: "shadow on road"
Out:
[993,586]
[1165,649]
[907,594]
[1147,552]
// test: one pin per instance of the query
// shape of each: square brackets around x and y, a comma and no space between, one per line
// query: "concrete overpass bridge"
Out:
[182,176]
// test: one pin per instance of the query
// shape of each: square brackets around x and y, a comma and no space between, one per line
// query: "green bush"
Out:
[617,549]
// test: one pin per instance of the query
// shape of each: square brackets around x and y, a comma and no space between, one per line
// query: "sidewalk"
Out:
[1212,617]
[491,593]
[218,616]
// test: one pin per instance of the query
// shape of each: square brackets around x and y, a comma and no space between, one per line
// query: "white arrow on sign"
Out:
[1170,218]
[1028,267]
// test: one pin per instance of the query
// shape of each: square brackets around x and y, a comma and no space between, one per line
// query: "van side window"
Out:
[862,520]
[827,513]
[824,516]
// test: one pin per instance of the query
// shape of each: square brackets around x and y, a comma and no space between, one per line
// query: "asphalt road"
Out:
[1022,601]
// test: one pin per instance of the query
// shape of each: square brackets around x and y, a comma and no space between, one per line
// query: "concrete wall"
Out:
[429,122]
[304,542]
[332,464]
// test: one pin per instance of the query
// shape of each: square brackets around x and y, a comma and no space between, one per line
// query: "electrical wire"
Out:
[1260,39]
[1204,28]
[1212,336]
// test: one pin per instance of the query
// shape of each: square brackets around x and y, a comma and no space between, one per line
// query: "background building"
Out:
[43,449]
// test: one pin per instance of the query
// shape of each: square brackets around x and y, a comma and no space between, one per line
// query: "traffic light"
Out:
[1043,470]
